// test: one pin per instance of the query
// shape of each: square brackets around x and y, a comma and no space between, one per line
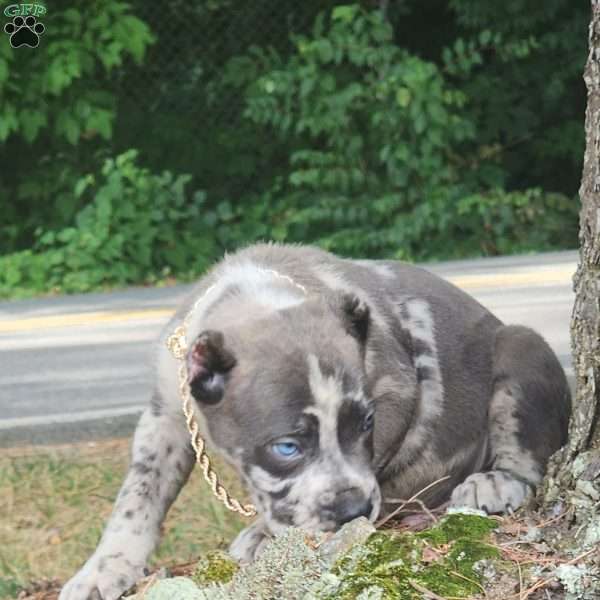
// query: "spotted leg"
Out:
[161,463]
[528,420]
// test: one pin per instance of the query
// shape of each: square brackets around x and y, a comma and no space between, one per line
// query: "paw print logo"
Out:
[24,32]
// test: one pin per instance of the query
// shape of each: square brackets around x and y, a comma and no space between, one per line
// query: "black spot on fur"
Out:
[156,404]
[169,449]
[404,313]
[281,494]
[141,468]
[144,490]
[284,517]
[128,514]
[356,316]
[351,418]
[424,373]
[421,348]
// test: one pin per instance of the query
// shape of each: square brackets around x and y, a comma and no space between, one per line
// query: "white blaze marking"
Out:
[328,395]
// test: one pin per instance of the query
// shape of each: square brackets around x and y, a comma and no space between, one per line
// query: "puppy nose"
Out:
[351,504]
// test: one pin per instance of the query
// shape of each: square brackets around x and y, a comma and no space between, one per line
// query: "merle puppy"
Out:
[331,385]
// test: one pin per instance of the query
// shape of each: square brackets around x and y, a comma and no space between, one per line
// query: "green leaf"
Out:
[31,122]
[403,97]
[345,13]
[68,127]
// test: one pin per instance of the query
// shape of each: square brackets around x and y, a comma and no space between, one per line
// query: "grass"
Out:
[54,503]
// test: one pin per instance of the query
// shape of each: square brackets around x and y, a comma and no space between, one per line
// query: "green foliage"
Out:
[56,87]
[136,226]
[384,160]
[54,99]
[528,95]
[9,588]
[431,132]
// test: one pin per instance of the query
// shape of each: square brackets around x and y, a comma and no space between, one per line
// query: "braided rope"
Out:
[177,344]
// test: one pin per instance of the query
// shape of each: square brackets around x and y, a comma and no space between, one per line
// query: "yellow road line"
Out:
[90,318]
[556,276]
[467,282]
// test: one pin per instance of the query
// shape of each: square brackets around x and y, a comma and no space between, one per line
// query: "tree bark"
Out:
[574,473]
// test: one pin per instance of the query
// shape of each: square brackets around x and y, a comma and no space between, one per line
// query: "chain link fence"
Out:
[176,108]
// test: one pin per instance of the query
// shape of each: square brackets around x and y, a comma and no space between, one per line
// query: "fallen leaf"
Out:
[430,555]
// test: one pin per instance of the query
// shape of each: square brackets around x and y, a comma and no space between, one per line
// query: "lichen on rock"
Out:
[287,568]
[176,588]
[577,581]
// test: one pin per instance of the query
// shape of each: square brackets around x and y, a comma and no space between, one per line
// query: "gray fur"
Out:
[307,356]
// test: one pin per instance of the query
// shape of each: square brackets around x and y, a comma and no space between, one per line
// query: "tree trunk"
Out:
[574,473]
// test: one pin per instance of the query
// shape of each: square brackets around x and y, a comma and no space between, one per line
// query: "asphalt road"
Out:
[80,367]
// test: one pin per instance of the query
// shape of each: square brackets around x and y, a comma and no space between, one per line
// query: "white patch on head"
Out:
[261,285]
[256,287]
[379,268]
[384,271]
[416,318]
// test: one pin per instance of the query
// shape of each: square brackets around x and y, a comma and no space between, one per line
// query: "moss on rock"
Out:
[215,567]
[397,565]
[459,526]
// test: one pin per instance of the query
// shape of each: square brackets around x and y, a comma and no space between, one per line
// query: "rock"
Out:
[486,569]
[573,578]
[177,588]
[465,510]
[287,568]
[354,532]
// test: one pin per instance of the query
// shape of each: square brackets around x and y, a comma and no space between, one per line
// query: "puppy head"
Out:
[283,399]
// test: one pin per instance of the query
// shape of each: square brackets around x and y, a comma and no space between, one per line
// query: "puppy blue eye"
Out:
[368,422]
[286,449]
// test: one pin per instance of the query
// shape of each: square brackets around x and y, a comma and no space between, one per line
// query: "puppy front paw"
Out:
[493,492]
[250,542]
[102,578]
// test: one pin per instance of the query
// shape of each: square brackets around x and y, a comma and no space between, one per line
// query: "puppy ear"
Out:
[355,316]
[208,362]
